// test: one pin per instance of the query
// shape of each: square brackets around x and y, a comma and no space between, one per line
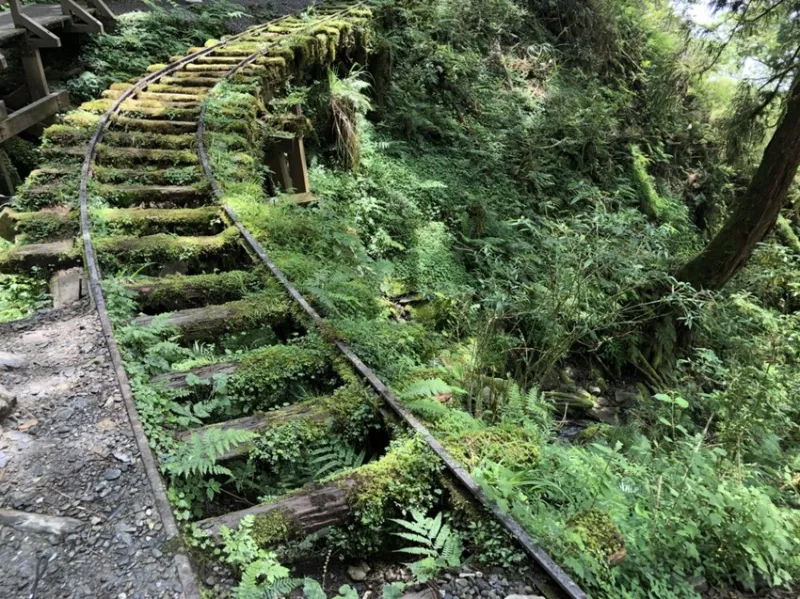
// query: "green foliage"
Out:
[261,573]
[332,456]
[200,454]
[20,296]
[437,545]
[144,38]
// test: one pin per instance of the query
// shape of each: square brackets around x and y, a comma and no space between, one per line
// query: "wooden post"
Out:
[34,73]
[287,159]
[297,166]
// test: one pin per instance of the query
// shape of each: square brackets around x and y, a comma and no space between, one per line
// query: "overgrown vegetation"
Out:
[503,193]
[529,179]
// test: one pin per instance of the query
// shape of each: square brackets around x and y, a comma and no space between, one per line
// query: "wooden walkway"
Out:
[49,16]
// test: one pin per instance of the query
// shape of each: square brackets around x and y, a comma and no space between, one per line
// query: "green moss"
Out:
[179,292]
[149,221]
[600,537]
[281,373]
[35,227]
[514,444]
[151,253]
[402,479]
[271,528]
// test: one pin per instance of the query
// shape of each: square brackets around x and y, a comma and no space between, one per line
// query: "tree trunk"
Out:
[757,210]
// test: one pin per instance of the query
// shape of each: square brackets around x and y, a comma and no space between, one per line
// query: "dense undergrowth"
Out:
[526,182]
[503,192]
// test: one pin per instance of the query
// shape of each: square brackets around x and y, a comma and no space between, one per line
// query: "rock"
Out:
[462,583]
[38,523]
[123,457]
[524,596]
[12,361]
[7,403]
[112,474]
[607,415]
[626,399]
[358,573]
[698,583]
[65,413]
[427,593]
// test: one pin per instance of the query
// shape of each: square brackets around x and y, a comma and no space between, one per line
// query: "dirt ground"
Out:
[67,450]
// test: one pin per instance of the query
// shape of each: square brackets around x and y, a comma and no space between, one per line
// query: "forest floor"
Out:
[68,451]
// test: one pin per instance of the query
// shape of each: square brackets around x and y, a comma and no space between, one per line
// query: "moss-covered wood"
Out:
[167,294]
[292,515]
[269,376]
[160,196]
[45,256]
[210,323]
[33,227]
[169,254]
[311,411]
[143,221]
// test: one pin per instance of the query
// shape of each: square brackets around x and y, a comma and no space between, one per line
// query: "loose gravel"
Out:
[67,450]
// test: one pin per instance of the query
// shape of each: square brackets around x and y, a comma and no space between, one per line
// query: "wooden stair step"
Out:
[270,376]
[146,176]
[117,156]
[155,195]
[155,125]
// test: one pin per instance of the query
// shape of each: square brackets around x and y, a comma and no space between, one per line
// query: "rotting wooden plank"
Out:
[32,114]
[167,294]
[308,410]
[67,287]
[176,380]
[27,522]
[209,322]
[57,254]
[304,512]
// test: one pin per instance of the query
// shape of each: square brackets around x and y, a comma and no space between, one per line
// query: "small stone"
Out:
[7,403]
[524,596]
[157,553]
[211,581]
[479,574]
[12,361]
[462,583]
[65,413]
[123,457]
[112,474]
[358,573]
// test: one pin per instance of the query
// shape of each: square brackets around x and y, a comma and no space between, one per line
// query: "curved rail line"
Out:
[565,584]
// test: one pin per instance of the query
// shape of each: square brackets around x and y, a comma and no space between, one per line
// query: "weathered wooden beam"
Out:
[295,515]
[87,22]
[24,118]
[38,35]
[103,10]
[167,294]
[210,322]
[309,410]
[58,254]
[176,380]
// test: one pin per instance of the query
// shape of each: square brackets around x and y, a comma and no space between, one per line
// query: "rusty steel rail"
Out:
[566,586]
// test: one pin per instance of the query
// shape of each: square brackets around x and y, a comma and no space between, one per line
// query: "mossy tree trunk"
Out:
[757,210]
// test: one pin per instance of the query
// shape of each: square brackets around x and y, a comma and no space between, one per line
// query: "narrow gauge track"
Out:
[183,87]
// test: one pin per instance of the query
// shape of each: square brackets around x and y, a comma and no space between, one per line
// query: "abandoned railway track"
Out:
[150,203]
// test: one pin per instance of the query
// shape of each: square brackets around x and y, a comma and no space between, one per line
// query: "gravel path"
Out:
[67,450]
